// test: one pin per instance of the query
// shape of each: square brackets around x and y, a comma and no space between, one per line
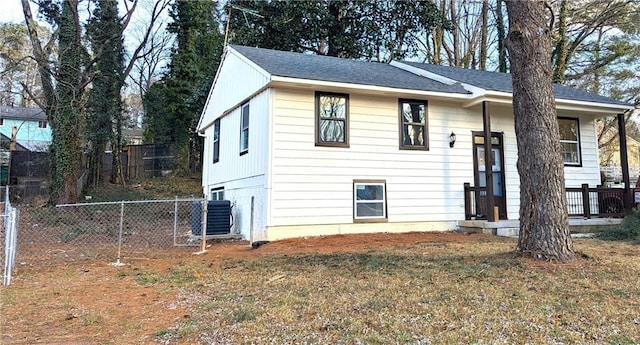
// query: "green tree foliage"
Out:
[104,118]
[375,30]
[67,122]
[183,90]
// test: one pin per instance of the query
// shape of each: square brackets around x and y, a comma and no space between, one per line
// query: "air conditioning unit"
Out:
[218,218]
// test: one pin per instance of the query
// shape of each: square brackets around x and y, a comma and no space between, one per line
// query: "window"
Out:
[369,200]
[570,141]
[414,133]
[244,130]
[1,121]
[332,119]
[42,124]
[216,140]
[217,194]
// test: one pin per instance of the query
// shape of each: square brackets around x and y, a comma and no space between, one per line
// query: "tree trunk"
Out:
[544,231]
[561,49]
[484,33]
[502,51]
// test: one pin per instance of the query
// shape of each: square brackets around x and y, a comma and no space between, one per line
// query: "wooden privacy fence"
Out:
[582,201]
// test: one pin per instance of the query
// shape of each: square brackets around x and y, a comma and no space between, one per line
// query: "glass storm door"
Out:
[497,168]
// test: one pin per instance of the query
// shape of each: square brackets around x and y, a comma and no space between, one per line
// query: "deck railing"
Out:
[582,201]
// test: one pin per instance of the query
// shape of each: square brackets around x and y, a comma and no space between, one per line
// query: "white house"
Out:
[307,145]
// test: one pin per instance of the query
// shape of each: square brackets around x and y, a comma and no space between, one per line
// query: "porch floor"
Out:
[511,228]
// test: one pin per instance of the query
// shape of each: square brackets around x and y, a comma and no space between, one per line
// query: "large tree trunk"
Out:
[544,231]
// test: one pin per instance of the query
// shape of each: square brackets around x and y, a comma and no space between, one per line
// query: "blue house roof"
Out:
[497,81]
[326,68]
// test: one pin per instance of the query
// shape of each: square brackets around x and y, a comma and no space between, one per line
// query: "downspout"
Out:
[488,158]
[624,162]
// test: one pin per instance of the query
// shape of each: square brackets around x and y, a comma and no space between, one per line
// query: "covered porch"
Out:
[485,205]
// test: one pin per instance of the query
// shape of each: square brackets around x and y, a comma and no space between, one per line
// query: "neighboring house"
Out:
[132,136]
[27,126]
[306,145]
[610,155]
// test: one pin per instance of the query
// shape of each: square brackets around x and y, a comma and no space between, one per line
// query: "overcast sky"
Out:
[11,11]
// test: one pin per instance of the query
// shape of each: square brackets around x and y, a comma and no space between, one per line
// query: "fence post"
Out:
[118,263]
[467,201]
[586,204]
[175,222]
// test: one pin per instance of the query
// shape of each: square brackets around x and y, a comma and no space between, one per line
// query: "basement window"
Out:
[369,200]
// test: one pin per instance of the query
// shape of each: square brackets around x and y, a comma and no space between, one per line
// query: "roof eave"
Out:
[279,81]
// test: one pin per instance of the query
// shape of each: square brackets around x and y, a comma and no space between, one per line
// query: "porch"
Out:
[582,202]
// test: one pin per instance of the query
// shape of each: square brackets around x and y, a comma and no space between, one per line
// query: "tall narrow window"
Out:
[244,129]
[1,121]
[570,141]
[332,119]
[414,134]
[216,140]
[369,200]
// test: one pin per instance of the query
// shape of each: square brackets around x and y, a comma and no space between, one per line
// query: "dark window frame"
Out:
[244,128]
[42,124]
[216,141]
[318,119]
[577,142]
[402,123]
[357,219]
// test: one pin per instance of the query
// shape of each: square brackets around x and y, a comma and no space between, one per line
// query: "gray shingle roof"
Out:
[497,81]
[22,113]
[325,68]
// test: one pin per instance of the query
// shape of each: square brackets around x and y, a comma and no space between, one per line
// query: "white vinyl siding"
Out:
[314,185]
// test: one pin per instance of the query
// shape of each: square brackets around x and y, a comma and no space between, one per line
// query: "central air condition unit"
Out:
[218,218]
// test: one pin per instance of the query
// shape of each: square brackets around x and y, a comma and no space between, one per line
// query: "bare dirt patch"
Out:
[374,289]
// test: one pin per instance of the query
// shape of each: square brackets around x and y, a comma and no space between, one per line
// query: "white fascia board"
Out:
[215,80]
[297,82]
[475,91]
[227,50]
[593,107]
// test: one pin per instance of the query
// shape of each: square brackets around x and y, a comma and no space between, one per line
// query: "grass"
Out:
[454,293]
[628,231]
[155,188]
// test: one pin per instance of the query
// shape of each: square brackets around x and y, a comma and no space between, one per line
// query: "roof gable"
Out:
[497,81]
[325,68]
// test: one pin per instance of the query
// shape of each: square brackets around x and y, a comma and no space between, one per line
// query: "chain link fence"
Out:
[109,231]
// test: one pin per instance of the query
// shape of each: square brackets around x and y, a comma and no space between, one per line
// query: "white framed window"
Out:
[217,194]
[216,140]
[369,200]
[244,129]
[570,141]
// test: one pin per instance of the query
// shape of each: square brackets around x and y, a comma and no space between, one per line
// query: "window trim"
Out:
[385,217]
[577,142]
[245,150]
[401,123]
[216,191]
[216,142]
[318,95]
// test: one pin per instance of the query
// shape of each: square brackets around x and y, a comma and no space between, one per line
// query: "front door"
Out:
[497,167]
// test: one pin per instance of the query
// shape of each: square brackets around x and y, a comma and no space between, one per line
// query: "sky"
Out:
[12,11]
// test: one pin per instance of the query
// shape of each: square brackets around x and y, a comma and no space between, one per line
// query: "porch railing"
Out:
[582,201]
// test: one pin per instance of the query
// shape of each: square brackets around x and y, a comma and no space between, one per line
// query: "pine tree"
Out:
[104,120]
[185,87]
